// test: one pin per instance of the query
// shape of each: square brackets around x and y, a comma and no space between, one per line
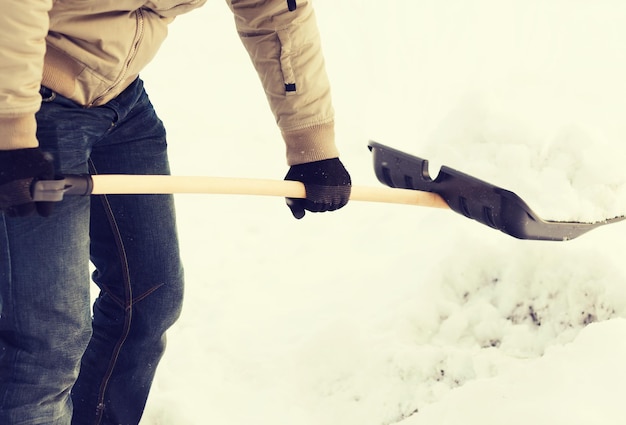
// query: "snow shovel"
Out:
[407,175]
[476,199]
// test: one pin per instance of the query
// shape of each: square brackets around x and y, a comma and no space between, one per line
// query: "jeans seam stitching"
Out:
[127,308]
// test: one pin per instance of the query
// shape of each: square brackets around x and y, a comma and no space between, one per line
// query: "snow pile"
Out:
[476,317]
[577,383]
[570,167]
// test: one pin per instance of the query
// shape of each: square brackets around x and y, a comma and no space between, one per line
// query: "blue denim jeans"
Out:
[59,364]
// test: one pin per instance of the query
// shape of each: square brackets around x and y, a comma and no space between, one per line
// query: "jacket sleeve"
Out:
[285,49]
[23,28]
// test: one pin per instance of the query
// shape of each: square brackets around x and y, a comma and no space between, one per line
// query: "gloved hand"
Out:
[327,184]
[19,170]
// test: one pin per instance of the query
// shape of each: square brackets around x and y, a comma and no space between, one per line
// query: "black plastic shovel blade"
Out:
[474,198]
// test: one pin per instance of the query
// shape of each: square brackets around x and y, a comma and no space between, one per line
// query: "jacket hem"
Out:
[74,80]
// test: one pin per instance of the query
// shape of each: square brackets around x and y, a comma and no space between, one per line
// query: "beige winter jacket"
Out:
[90,50]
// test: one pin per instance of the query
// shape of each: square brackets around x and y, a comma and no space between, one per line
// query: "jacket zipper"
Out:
[129,59]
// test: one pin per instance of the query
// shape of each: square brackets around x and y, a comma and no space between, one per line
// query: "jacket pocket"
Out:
[287,56]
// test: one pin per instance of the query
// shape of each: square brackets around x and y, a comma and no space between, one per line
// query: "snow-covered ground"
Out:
[380,314]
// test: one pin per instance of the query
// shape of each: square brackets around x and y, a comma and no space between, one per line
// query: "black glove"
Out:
[19,170]
[327,184]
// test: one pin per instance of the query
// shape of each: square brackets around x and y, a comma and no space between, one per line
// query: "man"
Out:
[71,102]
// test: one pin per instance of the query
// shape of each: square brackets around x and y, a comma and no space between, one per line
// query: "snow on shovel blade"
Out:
[476,199]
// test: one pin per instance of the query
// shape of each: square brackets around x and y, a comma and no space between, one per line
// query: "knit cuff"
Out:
[18,132]
[311,144]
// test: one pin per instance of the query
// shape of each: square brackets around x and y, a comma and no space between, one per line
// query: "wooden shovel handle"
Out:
[128,184]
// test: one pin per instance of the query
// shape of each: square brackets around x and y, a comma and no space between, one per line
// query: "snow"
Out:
[381,314]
